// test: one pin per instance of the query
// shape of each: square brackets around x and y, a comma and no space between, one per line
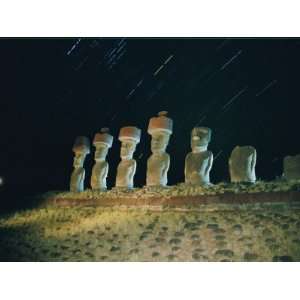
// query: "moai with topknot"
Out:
[291,167]
[198,163]
[102,141]
[242,164]
[129,137]
[160,128]
[81,148]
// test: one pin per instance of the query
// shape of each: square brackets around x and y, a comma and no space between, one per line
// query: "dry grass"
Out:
[101,234]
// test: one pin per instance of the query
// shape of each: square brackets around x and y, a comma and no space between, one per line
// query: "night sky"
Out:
[246,90]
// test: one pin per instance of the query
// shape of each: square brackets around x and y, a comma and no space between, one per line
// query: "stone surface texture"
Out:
[160,128]
[291,167]
[198,163]
[102,141]
[242,164]
[129,137]
[81,148]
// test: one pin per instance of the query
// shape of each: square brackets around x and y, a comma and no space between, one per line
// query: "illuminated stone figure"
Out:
[129,137]
[198,163]
[242,164]
[160,128]
[102,141]
[291,167]
[81,148]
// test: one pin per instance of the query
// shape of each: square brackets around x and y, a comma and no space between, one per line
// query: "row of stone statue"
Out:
[198,163]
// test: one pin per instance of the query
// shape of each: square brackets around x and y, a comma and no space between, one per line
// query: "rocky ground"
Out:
[180,190]
[105,234]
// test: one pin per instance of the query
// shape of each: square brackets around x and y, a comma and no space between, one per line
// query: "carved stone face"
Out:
[101,152]
[79,159]
[159,142]
[200,138]
[127,149]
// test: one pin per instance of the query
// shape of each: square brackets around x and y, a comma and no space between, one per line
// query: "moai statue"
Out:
[81,148]
[242,164]
[129,137]
[291,167]
[160,128]
[102,141]
[198,163]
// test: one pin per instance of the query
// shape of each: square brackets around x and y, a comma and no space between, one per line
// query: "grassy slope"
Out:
[98,234]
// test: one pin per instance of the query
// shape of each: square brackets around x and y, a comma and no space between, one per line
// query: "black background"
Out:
[51,92]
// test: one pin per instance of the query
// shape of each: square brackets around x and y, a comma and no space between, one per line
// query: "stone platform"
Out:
[226,201]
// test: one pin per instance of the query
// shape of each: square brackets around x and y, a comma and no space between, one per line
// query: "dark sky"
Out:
[246,90]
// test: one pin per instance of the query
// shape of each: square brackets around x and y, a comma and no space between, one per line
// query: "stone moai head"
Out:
[200,138]
[291,167]
[81,148]
[102,141]
[129,137]
[242,164]
[160,128]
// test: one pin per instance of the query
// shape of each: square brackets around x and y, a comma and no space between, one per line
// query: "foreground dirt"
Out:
[106,234]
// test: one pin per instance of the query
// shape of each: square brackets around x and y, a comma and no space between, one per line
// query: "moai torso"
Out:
[160,128]
[125,173]
[291,167]
[81,148]
[197,167]
[198,163]
[129,137]
[102,141]
[99,174]
[77,180]
[242,164]
[157,169]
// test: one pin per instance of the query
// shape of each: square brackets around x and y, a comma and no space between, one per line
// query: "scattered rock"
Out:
[160,240]
[270,241]
[284,226]
[267,232]
[178,234]
[196,242]
[225,252]
[171,257]
[219,230]
[200,222]
[155,254]
[199,250]
[284,258]
[248,256]
[221,244]
[89,254]
[175,241]
[134,251]
[196,256]
[115,248]
[225,260]
[175,248]
[237,229]
[273,247]
[212,226]
[195,237]
[191,226]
